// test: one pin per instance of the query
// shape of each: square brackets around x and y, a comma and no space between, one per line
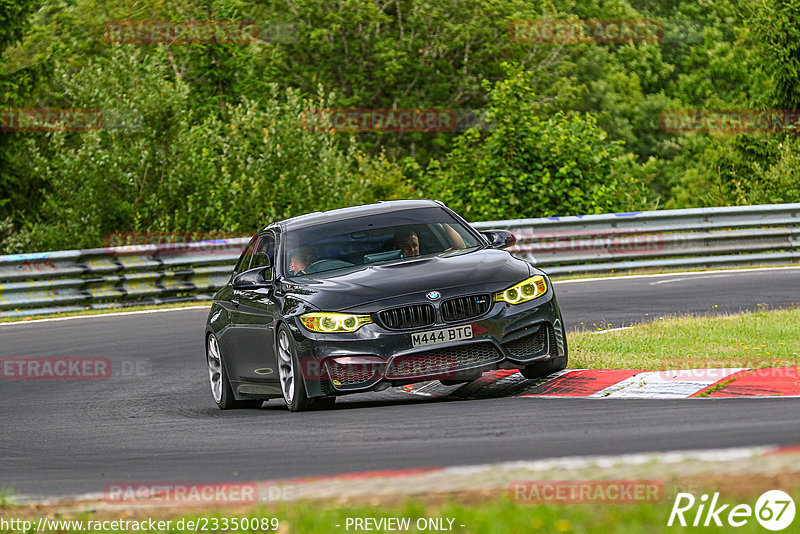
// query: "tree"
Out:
[530,166]
[753,168]
[13,86]
[777,29]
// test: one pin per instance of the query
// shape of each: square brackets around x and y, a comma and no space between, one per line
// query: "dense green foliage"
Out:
[211,136]
[556,164]
[14,190]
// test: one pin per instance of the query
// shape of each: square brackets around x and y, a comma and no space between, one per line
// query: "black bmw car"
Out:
[364,298]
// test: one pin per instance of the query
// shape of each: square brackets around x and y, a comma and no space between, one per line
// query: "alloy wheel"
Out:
[286,367]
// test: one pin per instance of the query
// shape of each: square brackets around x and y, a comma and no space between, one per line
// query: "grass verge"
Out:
[754,339]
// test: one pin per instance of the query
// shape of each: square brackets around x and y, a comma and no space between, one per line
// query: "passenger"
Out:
[455,239]
[300,260]
[408,243]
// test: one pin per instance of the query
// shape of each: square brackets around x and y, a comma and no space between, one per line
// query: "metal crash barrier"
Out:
[653,240]
[53,282]
[72,280]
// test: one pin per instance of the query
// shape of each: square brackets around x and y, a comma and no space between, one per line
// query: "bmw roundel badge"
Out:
[433,295]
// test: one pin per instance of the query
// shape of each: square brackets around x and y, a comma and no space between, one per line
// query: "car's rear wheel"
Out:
[221,389]
[292,385]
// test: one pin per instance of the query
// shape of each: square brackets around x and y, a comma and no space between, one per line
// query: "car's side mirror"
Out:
[253,279]
[499,238]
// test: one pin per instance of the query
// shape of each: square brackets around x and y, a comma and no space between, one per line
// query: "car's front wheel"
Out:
[292,385]
[220,385]
[547,367]
[542,369]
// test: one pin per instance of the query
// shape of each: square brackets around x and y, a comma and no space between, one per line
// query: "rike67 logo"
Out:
[774,510]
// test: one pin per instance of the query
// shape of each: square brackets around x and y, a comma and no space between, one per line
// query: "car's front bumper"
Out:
[374,357]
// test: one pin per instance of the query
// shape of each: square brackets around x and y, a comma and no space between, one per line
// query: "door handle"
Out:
[235,303]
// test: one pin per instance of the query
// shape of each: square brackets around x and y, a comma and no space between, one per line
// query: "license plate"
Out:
[443,335]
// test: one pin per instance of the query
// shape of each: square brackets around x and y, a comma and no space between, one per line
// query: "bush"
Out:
[171,170]
[748,169]
[532,166]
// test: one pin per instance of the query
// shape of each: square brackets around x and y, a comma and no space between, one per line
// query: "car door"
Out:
[227,336]
[256,315]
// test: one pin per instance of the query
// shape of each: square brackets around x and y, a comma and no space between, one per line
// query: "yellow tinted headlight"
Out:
[328,322]
[524,291]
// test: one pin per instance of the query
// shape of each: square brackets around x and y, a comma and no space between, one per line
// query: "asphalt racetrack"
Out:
[160,423]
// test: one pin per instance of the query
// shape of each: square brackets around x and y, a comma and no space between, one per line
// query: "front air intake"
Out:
[412,316]
[463,308]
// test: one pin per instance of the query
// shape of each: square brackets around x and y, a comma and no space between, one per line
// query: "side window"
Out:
[264,252]
[244,259]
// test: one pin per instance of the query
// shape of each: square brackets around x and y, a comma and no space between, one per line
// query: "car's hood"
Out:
[486,270]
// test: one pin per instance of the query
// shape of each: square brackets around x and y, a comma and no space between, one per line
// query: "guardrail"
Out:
[53,282]
[693,238]
[73,280]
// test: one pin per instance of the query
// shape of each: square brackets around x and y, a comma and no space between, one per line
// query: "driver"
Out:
[300,260]
[408,243]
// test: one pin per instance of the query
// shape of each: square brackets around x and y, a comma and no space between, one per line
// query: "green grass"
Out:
[116,309]
[6,497]
[756,339]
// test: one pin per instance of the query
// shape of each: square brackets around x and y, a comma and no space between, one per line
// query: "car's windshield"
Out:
[374,239]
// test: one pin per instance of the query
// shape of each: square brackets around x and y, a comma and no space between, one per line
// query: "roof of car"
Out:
[311,219]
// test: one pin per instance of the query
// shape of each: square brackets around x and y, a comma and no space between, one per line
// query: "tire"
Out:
[221,390]
[547,367]
[292,385]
